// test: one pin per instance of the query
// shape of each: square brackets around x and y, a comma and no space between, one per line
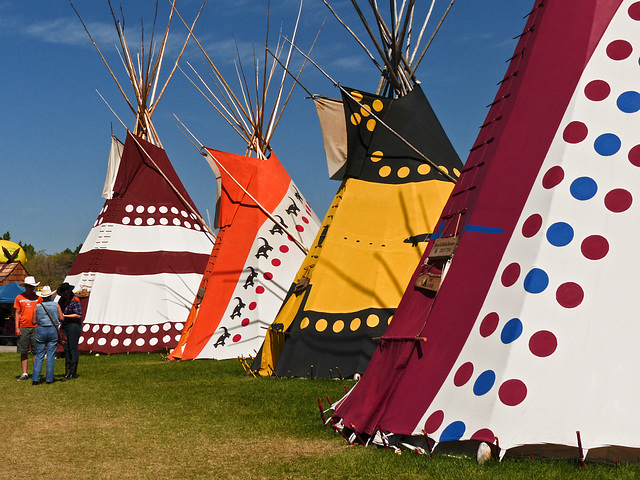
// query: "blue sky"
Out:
[54,127]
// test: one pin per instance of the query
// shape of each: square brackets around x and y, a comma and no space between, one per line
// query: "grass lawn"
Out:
[140,417]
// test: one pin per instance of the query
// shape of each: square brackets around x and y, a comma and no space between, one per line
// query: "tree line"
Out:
[48,269]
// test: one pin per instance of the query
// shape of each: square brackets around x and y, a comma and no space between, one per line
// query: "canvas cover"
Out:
[115,155]
[531,336]
[369,242]
[334,134]
[253,261]
[142,261]
[10,291]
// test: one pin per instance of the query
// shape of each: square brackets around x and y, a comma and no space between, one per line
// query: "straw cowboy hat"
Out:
[46,292]
[30,281]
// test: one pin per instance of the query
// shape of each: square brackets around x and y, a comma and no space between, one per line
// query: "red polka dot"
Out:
[634,11]
[253,305]
[484,435]
[268,276]
[300,228]
[510,274]
[463,374]
[305,219]
[434,421]
[245,322]
[236,338]
[259,289]
[618,200]
[275,262]
[569,295]
[489,324]
[597,90]
[289,238]
[553,177]
[531,225]
[634,156]
[512,392]
[619,50]
[284,248]
[594,247]
[575,132]
[543,343]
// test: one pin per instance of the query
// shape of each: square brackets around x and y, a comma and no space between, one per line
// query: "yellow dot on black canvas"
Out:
[373,320]
[304,323]
[385,171]
[357,96]
[356,118]
[377,105]
[321,325]
[456,172]
[403,172]
[338,326]
[355,324]
[444,169]
[371,124]
[389,321]
[376,156]
[365,110]
[424,169]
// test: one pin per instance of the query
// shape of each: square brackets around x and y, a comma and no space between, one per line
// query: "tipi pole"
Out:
[413,70]
[354,36]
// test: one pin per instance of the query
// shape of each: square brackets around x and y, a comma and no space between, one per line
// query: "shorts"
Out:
[27,338]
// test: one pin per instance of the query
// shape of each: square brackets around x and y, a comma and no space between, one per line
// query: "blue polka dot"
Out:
[629,102]
[583,188]
[453,432]
[560,234]
[607,144]
[536,281]
[511,331]
[484,382]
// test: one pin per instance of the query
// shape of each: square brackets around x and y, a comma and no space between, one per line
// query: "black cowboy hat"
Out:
[65,288]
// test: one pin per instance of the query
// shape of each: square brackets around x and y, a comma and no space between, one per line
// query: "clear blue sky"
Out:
[54,128]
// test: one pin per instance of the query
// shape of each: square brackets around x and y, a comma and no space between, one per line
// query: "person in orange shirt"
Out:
[24,304]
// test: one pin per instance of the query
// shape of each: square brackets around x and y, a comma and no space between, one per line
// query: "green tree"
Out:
[52,269]
[29,250]
[6,236]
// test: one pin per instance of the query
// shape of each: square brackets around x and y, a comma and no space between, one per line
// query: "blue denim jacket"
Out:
[42,318]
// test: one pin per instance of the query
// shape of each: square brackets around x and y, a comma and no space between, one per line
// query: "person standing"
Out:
[72,327]
[24,305]
[47,316]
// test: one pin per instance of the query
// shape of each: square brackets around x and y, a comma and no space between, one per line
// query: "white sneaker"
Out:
[24,376]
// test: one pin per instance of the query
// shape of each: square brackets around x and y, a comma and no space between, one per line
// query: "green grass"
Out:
[140,417]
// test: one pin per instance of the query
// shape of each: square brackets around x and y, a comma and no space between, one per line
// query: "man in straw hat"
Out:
[24,304]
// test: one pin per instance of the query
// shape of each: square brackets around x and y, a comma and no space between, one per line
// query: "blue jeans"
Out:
[46,342]
[72,330]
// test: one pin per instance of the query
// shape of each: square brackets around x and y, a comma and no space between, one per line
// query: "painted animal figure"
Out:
[222,339]
[252,276]
[263,250]
[237,311]
[277,227]
[293,209]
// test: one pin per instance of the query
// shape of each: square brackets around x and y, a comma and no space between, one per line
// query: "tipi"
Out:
[264,225]
[400,169]
[531,336]
[145,255]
